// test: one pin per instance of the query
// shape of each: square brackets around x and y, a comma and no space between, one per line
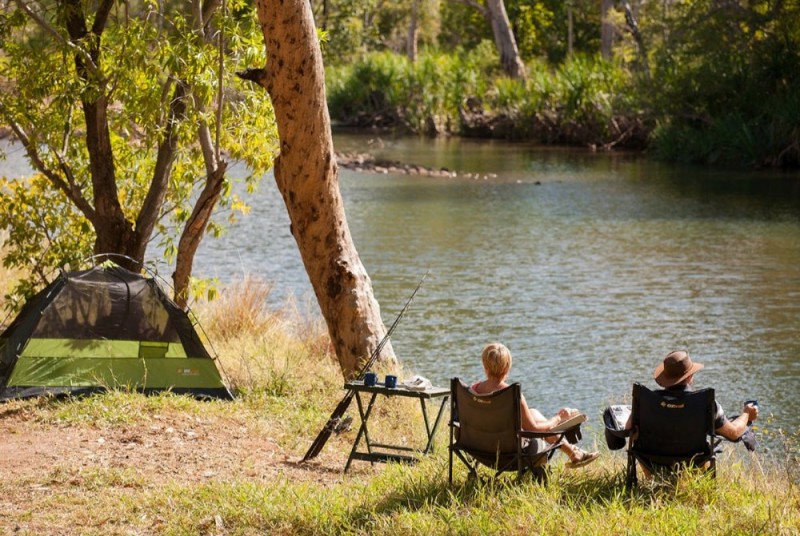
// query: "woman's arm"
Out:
[534,421]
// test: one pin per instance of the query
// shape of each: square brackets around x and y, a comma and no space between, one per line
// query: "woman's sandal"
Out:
[580,458]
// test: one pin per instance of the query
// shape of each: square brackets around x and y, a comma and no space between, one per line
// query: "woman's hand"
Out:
[566,413]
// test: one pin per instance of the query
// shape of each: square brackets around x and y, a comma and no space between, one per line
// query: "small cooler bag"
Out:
[614,418]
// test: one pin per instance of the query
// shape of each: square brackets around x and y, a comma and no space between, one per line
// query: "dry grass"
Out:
[274,351]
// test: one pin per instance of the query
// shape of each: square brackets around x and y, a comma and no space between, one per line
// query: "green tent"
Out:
[103,328]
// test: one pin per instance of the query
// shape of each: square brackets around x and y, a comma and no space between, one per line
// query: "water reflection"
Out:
[589,266]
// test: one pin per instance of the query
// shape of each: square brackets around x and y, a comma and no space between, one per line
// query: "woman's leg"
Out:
[537,416]
[575,453]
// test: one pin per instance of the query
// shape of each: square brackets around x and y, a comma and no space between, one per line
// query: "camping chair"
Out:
[485,430]
[671,429]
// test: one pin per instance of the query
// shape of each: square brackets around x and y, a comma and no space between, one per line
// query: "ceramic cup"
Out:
[370,379]
[390,381]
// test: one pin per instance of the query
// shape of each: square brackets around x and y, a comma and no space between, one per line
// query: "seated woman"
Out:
[497,364]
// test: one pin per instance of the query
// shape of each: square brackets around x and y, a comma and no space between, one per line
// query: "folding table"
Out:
[377,452]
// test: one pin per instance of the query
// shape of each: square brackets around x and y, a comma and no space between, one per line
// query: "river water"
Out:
[589,266]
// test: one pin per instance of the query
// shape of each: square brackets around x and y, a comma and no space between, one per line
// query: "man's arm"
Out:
[733,430]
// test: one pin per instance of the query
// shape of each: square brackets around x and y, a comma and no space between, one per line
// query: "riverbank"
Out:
[122,463]
[584,102]
[476,120]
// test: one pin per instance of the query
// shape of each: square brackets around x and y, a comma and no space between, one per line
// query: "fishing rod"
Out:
[341,408]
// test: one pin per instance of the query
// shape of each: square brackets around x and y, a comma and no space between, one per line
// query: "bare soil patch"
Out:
[173,448]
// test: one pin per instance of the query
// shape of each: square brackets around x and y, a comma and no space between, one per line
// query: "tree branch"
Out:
[68,187]
[209,6]
[156,193]
[193,233]
[87,58]
[483,10]
[259,76]
[101,16]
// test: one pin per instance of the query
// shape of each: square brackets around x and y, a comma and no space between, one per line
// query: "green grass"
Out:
[288,384]
[417,500]
[581,101]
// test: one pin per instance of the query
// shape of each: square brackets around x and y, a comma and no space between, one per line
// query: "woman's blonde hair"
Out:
[496,360]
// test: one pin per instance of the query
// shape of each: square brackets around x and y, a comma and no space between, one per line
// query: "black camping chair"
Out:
[486,430]
[671,429]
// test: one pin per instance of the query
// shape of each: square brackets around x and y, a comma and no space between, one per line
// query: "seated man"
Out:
[677,372]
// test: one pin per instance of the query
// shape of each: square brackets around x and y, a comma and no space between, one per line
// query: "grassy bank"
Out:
[686,114]
[246,480]
[581,102]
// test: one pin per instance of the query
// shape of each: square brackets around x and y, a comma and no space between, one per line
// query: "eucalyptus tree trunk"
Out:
[606,29]
[308,178]
[114,232]
[505,42]
[504,39]
[411,43]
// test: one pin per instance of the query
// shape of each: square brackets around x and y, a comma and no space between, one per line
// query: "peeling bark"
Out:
[308,179]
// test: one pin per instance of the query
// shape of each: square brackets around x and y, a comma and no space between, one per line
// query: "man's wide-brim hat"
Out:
[676,368]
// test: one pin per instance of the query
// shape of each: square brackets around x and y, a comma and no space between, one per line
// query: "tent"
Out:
[105,327]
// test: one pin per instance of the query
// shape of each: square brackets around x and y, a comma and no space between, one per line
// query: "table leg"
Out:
[432,431]
[362,430]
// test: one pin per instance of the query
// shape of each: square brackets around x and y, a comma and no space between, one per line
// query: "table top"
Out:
[380,388]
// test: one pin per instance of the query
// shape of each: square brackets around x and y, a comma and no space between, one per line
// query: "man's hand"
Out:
[751,411]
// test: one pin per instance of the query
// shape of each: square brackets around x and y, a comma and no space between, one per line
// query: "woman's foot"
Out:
[580,458]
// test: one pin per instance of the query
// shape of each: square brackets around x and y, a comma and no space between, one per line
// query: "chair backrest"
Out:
[673,423]
[487,423]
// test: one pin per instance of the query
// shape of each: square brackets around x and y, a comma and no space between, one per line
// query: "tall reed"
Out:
[580,101]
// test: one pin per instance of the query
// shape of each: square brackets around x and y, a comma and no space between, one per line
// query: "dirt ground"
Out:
[50,471]
[182,449]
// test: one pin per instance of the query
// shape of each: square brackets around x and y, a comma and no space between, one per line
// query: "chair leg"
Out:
[540,475]
[473,473]
[631,480]
[450,470]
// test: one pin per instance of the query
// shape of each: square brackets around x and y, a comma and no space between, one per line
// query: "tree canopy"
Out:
[128,113]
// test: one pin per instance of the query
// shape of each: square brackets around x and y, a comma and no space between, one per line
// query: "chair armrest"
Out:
[534,435]
[571,423]
[572,434]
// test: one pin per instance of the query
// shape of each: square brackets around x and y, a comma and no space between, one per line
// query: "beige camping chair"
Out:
[485,430]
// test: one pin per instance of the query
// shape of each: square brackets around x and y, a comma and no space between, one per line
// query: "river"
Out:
[589,266]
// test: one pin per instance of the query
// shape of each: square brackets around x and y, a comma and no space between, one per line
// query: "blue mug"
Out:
[390,381]
[370,379]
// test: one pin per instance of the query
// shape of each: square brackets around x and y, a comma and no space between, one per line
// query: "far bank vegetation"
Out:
[698,81]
